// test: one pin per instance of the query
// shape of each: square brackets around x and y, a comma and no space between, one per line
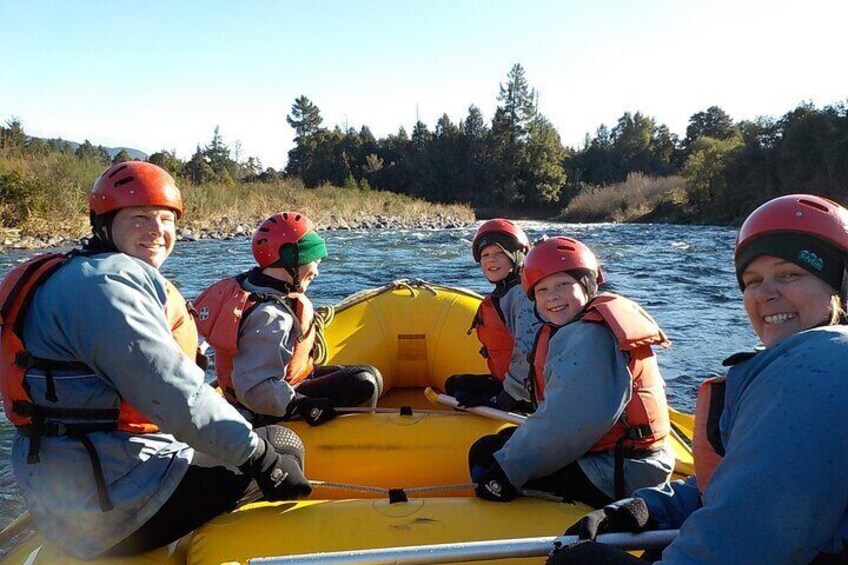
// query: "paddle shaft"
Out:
[468,551]
[494,413]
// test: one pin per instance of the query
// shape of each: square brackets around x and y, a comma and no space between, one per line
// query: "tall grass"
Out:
[626,201]
[49,196]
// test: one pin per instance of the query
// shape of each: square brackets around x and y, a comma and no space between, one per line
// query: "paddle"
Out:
[17,526]
[469,551]
[440,398]
[680,434]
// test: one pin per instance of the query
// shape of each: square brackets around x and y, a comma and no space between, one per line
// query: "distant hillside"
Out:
[112,151]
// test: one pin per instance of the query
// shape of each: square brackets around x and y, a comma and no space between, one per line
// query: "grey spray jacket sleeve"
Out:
[587,386]
[780,494]
[266,345]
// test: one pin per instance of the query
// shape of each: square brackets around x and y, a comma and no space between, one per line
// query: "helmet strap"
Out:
[101,231]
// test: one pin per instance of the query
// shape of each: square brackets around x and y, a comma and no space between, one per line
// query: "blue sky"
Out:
[162,74]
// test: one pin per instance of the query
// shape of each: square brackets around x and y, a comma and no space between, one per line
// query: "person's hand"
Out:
[506,402]
[473,390]
[627,515]
[494,485]
[315,411]
[277,464]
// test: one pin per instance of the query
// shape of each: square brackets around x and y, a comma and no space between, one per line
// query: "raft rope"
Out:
[387,491]
[530,493]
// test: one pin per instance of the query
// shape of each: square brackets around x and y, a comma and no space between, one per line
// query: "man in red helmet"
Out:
[98,374]
[506,323]
[261,327]
[599,431]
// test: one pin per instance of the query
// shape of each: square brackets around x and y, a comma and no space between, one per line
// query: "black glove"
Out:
[315,411]
[494,485]
[277,464]
[473,390]
[591,553]
[507,403]
[627,515]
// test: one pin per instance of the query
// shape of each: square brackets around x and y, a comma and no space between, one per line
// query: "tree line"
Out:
[517,160]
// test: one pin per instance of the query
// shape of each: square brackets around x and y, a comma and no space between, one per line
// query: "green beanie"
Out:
[310,247]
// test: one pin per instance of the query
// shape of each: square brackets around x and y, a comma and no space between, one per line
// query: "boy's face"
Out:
[495,263]
[559,298]
[306,273]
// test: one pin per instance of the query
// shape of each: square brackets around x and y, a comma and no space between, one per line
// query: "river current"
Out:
[682,275]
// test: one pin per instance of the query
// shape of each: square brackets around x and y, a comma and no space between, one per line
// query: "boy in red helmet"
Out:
[98,375]
[261,327]
[506,323]
[600,427]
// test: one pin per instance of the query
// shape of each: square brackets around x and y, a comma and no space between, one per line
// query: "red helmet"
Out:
[134,183]
[798,213]
[556,255]
[278,231]
[512,236]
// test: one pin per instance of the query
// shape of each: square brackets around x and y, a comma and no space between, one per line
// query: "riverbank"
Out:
[223,212]
[226,228]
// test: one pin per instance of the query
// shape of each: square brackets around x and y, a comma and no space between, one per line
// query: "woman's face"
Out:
[782,299]
[145,232]
[495,263]
[559,297]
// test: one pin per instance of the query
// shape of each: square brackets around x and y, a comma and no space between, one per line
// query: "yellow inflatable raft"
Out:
[416,333]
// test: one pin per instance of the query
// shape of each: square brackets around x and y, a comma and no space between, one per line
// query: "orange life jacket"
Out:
[644,424]
[497,341]
[222,307]
[707,447]
[16,292]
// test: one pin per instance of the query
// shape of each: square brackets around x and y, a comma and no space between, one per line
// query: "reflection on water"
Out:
[682,275]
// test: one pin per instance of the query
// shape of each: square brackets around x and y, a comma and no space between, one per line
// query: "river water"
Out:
[682,275]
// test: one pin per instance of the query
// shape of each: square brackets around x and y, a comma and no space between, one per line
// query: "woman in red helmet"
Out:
[600,427]
[506,323]
[98,375]
[260,325]
[770,447]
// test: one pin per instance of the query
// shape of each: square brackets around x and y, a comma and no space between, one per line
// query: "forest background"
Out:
[515,165]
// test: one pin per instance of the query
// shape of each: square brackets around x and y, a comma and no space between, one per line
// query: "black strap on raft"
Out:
[397,495]
[406,410]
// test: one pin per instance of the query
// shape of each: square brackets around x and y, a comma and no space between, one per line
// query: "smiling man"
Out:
[98,375]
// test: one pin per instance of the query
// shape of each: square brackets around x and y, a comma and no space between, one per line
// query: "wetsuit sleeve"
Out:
[587,387]
[116,324]
[266,346]
[669,505]
[780,492]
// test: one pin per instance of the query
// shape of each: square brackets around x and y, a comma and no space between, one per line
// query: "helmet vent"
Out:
[117,170]
[124,180]
[812,204]
[261,241]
